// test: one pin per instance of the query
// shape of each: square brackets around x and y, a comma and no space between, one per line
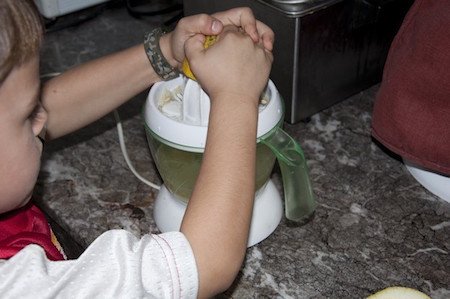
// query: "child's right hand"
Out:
[172,43]
[234,66]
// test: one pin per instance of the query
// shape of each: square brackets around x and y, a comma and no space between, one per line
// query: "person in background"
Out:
[203,258]
[411,113]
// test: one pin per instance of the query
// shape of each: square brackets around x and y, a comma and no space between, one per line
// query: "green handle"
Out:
[298,194]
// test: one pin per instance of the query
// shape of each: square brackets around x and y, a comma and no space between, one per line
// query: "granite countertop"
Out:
[374,227]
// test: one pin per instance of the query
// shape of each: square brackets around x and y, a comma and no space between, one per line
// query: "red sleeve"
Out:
[27,225]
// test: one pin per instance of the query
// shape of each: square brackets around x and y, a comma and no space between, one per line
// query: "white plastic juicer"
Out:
[176,120]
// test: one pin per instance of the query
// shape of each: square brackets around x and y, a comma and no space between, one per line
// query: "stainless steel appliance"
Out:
[325,50]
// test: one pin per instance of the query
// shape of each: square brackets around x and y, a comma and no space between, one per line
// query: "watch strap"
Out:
[159,63]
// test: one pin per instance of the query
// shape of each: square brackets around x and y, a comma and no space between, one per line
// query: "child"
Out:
[201,260]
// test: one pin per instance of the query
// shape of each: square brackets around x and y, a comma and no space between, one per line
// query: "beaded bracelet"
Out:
[159,63]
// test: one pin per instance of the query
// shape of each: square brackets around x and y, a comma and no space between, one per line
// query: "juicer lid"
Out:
[163,114]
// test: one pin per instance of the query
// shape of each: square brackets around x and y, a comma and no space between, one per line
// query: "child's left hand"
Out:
[172,44]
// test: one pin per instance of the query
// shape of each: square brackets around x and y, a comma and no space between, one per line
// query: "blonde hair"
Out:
[21,33]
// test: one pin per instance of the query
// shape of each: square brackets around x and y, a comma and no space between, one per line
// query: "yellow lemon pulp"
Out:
[209,40]
[399,293]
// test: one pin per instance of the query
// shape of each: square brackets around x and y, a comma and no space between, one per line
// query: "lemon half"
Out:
[209,40]
[399,293]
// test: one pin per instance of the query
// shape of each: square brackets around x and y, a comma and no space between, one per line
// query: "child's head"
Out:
[22,117]
[20,34]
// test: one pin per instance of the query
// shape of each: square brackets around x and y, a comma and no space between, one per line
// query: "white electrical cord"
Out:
[50,75]
[125,153]
[121,141]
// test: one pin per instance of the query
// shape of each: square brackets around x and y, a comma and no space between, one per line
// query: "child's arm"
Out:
[89,91]
[234,72]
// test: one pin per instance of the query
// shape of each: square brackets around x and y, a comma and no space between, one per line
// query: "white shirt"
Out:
[115,265]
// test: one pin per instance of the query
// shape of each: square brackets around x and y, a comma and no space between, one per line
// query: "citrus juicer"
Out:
[176,117]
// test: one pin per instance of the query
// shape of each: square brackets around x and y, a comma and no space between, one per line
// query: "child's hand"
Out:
[244,18]
[233,65]
[172,44]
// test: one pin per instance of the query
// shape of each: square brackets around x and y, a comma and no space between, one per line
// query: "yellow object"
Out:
[209,41]
[399,293]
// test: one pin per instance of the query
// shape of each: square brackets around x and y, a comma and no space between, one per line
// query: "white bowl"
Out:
[437,184]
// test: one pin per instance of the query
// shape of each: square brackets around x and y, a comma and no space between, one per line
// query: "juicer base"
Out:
[168,212]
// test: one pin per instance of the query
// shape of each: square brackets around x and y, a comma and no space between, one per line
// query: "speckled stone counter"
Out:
[374,227]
